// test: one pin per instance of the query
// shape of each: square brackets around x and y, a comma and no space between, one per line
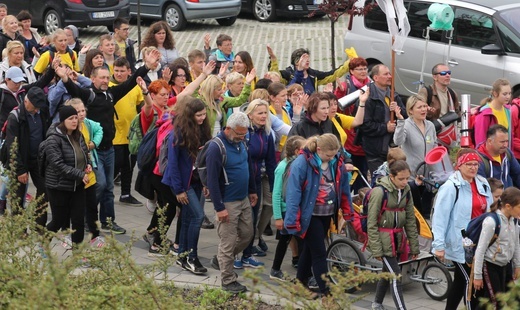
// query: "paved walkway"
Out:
[253,36]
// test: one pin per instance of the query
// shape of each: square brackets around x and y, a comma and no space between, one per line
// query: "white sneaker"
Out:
[97,242]
[67,243]
[151,205]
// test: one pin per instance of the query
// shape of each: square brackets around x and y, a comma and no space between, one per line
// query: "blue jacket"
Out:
[216,183]
[450,217]
[58,94]
[261,149]
[507,171]
[95,132]
[179,171]
[302,191]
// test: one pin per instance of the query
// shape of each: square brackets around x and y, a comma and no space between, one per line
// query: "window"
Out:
[473,29]
[510,41]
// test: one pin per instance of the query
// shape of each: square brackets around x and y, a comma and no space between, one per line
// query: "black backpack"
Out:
[146,158]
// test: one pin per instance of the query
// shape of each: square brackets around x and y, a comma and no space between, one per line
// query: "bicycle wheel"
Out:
[439,290]
[340,255]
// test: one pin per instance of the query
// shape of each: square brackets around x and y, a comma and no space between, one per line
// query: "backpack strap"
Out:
[498,225]
[223,152]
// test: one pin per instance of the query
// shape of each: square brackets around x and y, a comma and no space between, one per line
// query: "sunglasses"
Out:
[443,73]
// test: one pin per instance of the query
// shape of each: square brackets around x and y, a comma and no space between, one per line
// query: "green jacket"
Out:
[226,103]
[379,238]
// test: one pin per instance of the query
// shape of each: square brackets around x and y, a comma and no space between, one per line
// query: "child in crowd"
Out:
[497,188]
[394,154]
[490,262]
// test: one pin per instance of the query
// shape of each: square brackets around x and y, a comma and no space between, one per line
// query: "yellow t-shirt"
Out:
[122,47]
[126,111]
[44,61]
[501,117]
[86,137]
[498,159]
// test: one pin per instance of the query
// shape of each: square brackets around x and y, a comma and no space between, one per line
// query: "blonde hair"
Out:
[207,88]
[412,101]
[7,19]
[73,102]
[259,93]
[58,32]
[11,45]
[271,74]
[233,77]
[255,104]
[327,141]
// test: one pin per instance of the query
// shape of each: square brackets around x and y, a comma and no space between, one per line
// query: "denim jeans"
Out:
[192,217]
[105,185]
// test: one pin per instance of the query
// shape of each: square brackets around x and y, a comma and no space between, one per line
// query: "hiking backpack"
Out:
[136,134]
[200,161]
[473,232]
[384,206]
[163,153]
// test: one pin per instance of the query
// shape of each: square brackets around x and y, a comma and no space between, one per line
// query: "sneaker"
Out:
[150,205]
[294,262]
[214,263]
[181,261]
[130,200]
[117,179]
[156,251]
[278,275]
[268,231]
[206,224]
[234,287]
[149,238]
[257,252]
[312,284]
[251,262]
[262,245]
[114,228]
[237,264]
[28,197]
[376,306]
[97,242]
[67,243]
[174,249]
[194,266]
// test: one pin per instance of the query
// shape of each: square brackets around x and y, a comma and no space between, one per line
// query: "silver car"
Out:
[485,45]
[177,13]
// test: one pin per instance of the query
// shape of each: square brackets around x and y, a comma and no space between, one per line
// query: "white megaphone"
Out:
[350,99]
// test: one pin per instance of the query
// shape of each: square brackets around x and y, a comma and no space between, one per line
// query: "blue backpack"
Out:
[146,158]
[473,232]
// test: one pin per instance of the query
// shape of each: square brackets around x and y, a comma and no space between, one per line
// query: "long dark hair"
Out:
[149,38]
[75,135]
[191,135]
[88,66]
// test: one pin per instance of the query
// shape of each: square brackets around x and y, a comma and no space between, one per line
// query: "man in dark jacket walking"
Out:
[28,124]
[377,130]
[100,101]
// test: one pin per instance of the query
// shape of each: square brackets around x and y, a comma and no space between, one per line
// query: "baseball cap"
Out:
[15,74]
[36,96]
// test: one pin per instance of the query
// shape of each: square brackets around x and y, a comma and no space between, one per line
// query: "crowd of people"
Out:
[277,146]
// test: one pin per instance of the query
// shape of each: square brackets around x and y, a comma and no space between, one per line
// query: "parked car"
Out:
[56,14]
[269,10]
[178,12]
[485,45]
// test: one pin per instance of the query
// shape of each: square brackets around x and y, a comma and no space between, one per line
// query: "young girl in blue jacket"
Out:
[317,187]
[191,131]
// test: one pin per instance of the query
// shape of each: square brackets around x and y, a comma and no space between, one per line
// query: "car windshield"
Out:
[510,39]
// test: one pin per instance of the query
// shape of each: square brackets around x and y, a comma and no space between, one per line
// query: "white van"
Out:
[485,45]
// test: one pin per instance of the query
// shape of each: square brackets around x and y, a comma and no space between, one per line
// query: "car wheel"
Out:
[227,21]
[264,10]
[52,21]
[174,18]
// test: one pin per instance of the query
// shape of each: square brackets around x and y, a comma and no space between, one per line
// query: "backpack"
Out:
[487,165]
[146,158]
[473,232]
[4,150]
[200,161]
[135,134]
[384,203]
[42,157]
[163,153]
